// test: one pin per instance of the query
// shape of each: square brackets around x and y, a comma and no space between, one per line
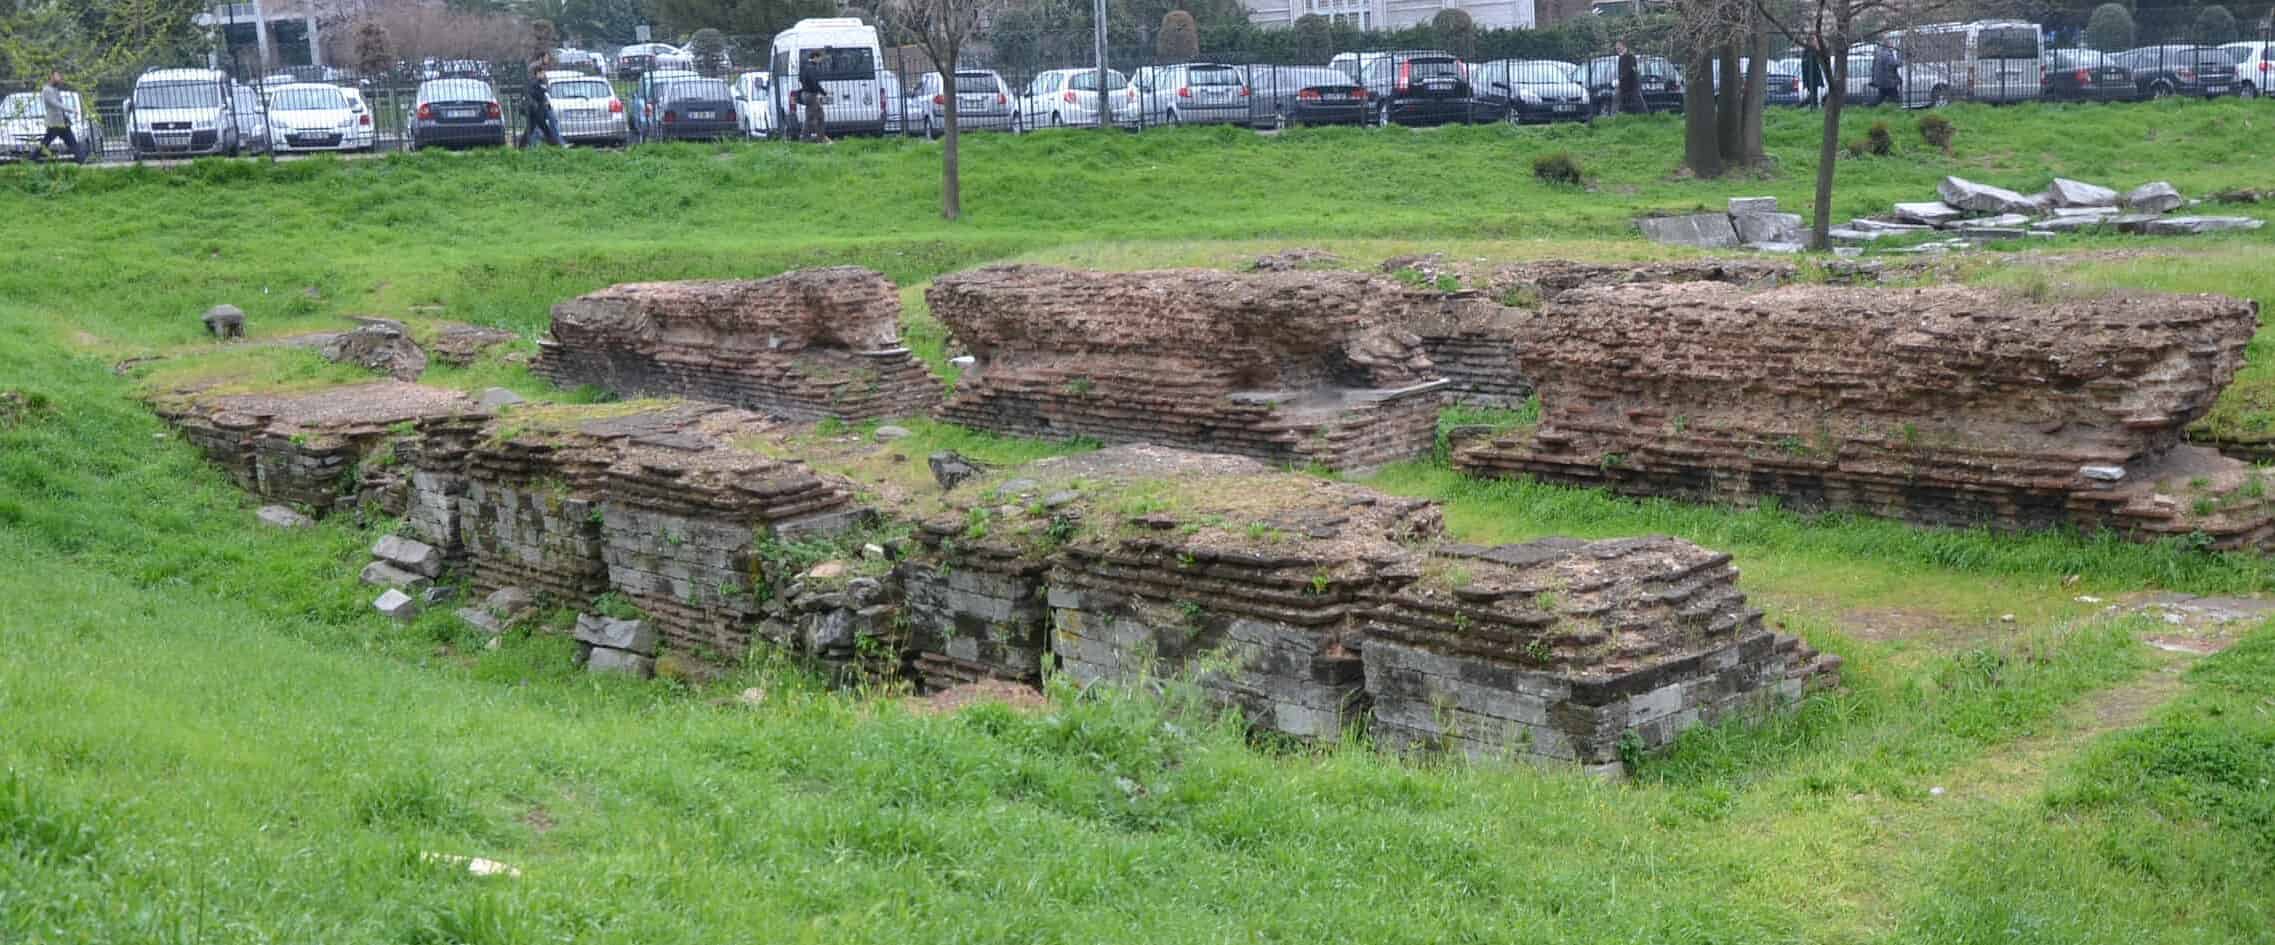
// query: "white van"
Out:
[1987,60]
[847,69]
[180,113]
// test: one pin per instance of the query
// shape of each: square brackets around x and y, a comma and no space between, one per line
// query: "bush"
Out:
[1180,39]
[1457,31]
[708,47]
[1558,168]
[1314,39]
[2215,25]
[1878,141]
[1937,131]
[2110,29]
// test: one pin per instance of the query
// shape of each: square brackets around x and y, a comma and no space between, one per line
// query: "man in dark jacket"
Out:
[1812,75]
[1630,81]
[810,89]
[537,108]
[1888,76]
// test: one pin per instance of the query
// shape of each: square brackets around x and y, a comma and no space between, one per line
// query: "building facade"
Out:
[1392,14]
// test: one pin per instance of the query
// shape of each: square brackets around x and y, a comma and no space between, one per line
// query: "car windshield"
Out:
[177,95]
[2012,42]
[302,100]
[22,105]
[703,89]
[973,82]
[1433,68]
[1541,73]
[586,88]
[1311,77]
[455,91]
[848,62]
[1087,81]
[1212,75]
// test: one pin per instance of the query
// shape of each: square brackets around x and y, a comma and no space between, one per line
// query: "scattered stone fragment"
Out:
[1983,198]
[2102,473]
[2085,213]
[474,864]
[461,345]
[826,571]
[1883,226]
[1739,205]
[382,574]
[2132,222]
[379,345]
[1705,230]
[397,605]
[437,595]
[2153,197]
[410,554]
[1295,259]
[1767,227]
[605,660]
[2003,221]
[633,636]
[482,620]
[277,516]
[2064,192]
[225,321]
[1933,213]
[751,696]
[951,470]
[508,602]
[493,398]
[889,433]
[2189,226]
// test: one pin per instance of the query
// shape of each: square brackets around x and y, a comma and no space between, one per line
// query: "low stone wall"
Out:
[1287,367]
[804,345]
[1943,406]
[302,448]
[974,611]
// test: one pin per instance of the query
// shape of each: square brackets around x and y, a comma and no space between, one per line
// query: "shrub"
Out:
[1314,39]
[1180,39]
[1558,168]
[2215,25]
[709,49]
[1878,141]
[1457,31]
[2110,28]
[1937,131]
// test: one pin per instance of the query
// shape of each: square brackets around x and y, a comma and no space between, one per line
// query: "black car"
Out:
[2085,76]
[693,109]
[1662,83]
[1531,91]
[1310,95]
[2166,71]
[457,113]
[1421,88]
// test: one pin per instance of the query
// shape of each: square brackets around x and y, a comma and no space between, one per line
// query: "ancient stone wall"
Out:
[1288,367]
[1942,406]
[302,447]
[975,610]
[803,345]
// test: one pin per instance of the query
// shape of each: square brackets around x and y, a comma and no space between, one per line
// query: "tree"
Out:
[1314,40]
[1456,31]
[373,55]
[941,28]
[2215,25]
[738,17]
[1179,39]
[708,47]
[92,40]
[2110,28]
[543,39]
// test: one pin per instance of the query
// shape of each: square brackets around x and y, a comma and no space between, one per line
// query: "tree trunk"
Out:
[1750,148]
[1702,153]
[1828,149]
[1729,105]
[951,175]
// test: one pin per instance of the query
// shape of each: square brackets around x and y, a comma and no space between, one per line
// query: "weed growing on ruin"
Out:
[1520,296]
[1558,168]
[1937,131]
[1079,387]
[617,606]
[1540,653]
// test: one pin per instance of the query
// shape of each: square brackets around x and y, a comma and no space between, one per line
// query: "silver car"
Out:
[1069,98]
[252,118]
[982,103]
[588,111]
[1195,93]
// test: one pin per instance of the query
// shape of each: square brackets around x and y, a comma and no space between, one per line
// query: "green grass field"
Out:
[206,735]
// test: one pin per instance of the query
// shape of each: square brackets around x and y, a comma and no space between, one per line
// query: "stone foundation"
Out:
[1941,406]
[1286,367]
[302,448]
[803,345]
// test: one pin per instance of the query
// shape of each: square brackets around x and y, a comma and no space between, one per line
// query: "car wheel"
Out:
[2160,89]
[1939,96]
[1514,117]
[1279,121]
[1382,115]
[2247,90]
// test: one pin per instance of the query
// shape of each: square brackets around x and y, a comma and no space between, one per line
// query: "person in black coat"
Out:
[1630,81]
[810,89]
[1812,76]
[537,108]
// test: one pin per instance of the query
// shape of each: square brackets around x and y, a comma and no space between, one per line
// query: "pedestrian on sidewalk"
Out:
[58,103]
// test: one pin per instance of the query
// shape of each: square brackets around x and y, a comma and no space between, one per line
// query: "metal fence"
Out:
[388,112]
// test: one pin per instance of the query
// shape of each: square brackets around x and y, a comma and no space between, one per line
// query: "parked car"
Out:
[1662,83]
[1069,98]
[644,112]
[895,99]
[1524,91]
[588,111]
[638,58]
[754,110]
[1781,84]
[2166,71]
[983,102]
[2255,67]
[1985,60]
[1309,95]
[1420,88]
[692,109]
[180,113]
[311,116]
[1926,85]
[23,122]
[366,132]
[457,113]
[1193,93]
[2080,75]
[581,61]
[463,69]
[843,55]
[252,119]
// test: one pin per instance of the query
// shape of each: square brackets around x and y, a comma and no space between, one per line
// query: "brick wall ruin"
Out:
[1287,367]
[1943,406]
[302,448]
[803,345]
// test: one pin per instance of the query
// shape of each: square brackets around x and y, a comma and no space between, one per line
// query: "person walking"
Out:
[815,96]
[1888,76]
[1812,76]
[58,103]
[537,108]
[1630,82]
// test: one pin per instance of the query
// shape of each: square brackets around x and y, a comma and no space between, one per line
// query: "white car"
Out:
[1063,98]
[588,111]
[252,118]
[754,112]
[23,122]
[2255,72]
[315,117]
